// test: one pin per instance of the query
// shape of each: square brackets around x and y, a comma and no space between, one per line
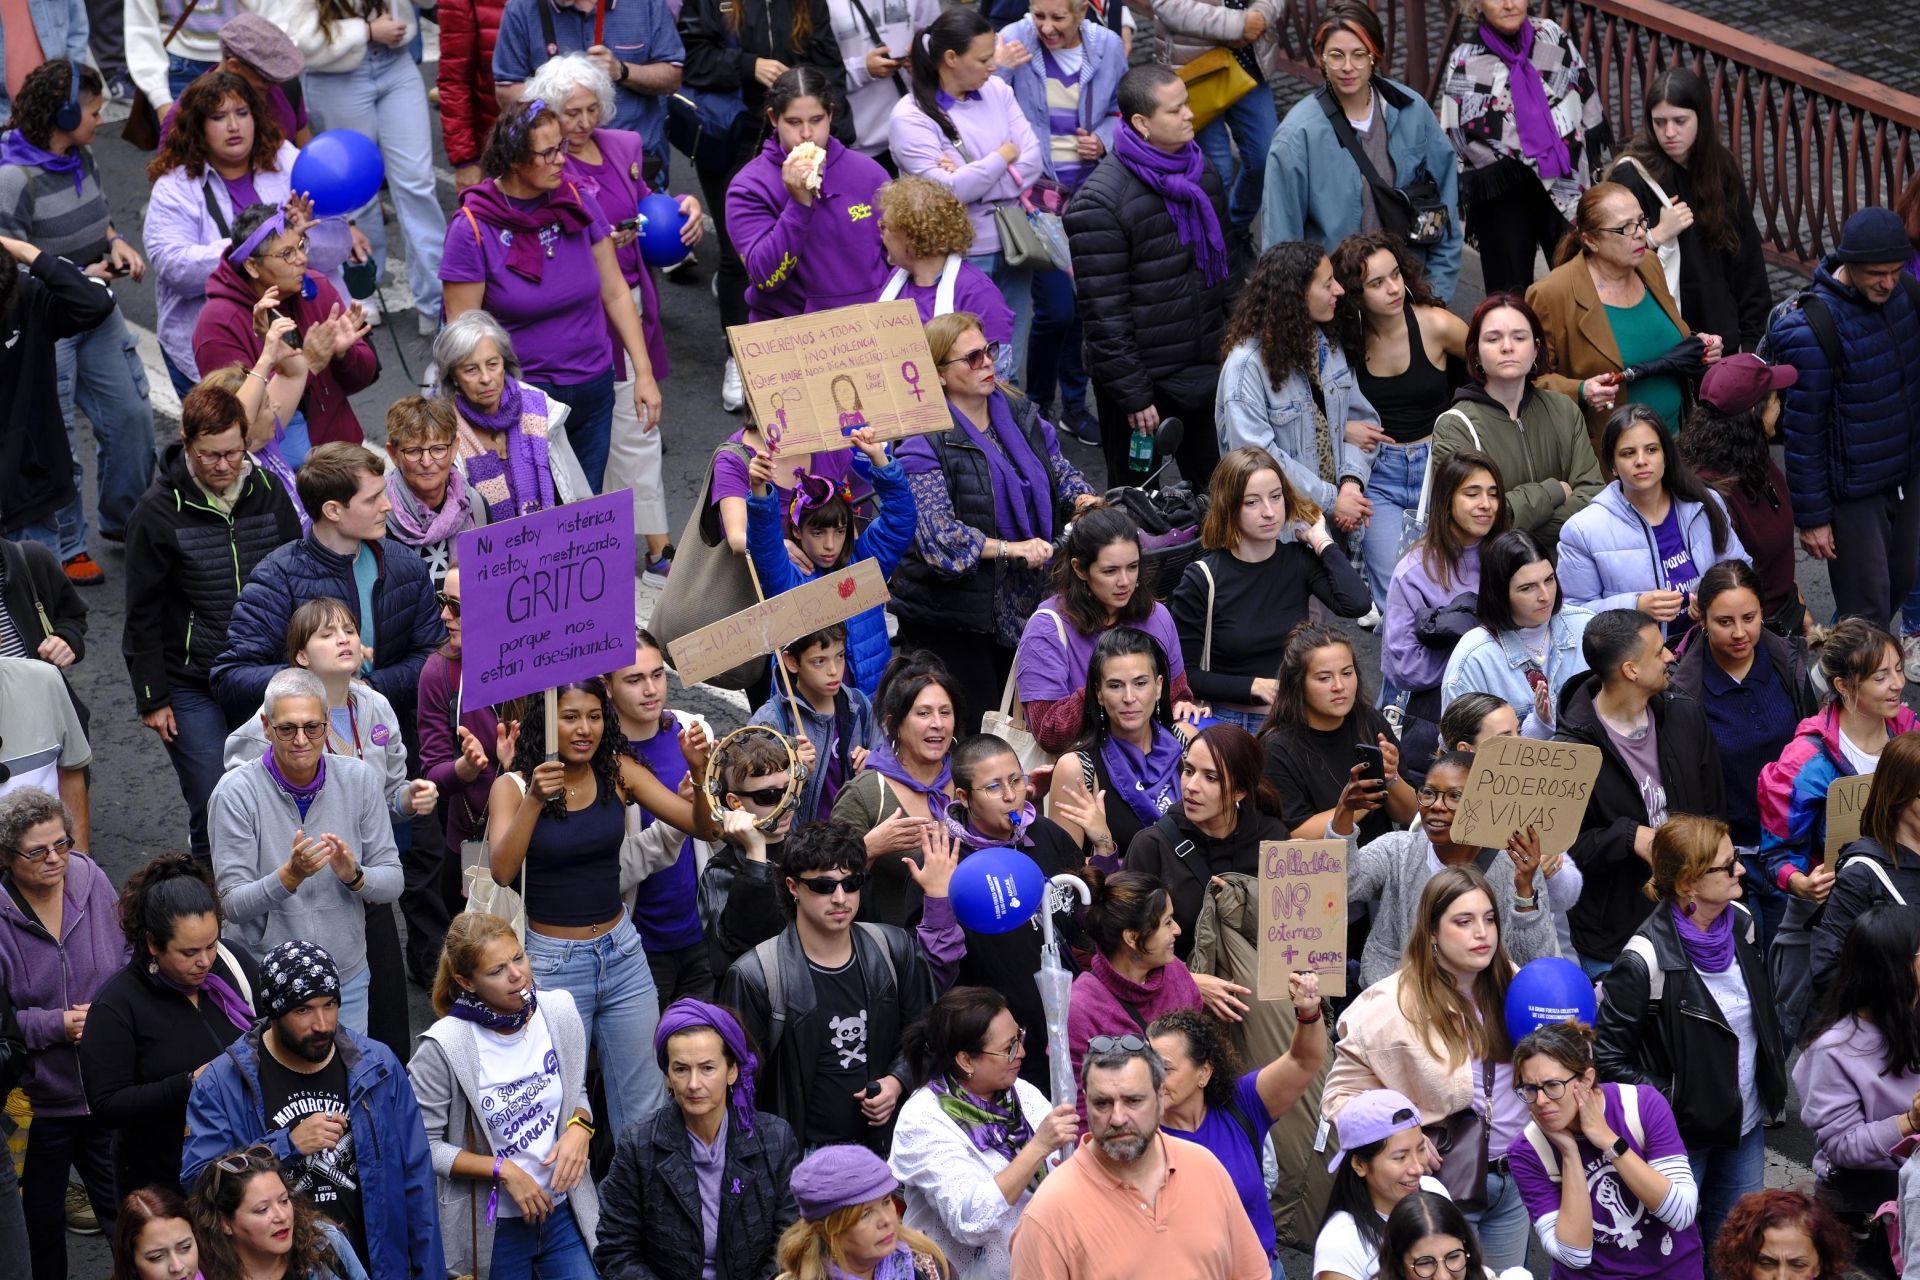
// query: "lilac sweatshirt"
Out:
[801,257]
[985,119]
[1403,659]
[45,978]
[1849,1100]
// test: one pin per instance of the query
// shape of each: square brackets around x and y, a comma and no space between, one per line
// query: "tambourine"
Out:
[714,782]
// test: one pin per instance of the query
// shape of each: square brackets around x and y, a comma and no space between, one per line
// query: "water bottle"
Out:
[1140,452]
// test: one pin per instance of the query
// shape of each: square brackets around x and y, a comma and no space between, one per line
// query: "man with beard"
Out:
[1134,1202]
[335,1109]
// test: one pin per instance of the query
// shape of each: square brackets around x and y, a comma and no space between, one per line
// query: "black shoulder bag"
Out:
[1416,213]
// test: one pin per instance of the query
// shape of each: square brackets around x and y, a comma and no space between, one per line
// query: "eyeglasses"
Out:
[1340,59]
[294,251]
[1016,1049]
[225,457]
[1637,227]
[765,797]
[1003,786]
[825,885]
[979,358]
[450,603]
[1126,1044]
[1429,796]
[62,846]
[551,155]
[1552,1088]
[1454,1260]
[1725,869]
[240,1163]
[438,452]
[313,730]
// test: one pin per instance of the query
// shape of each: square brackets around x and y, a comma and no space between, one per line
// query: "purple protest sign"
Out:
[546,599]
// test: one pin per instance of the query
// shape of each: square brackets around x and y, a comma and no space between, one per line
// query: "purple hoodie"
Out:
[800,257]
[1403,659]
[46,978]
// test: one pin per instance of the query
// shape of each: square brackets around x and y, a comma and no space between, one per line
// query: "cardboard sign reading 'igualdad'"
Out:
[814,379]
[1846,801]
[1523,782]
[766,627]
[1303,914]
[546,599]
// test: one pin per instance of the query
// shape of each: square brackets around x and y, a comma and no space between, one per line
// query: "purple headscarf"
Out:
[688,1014]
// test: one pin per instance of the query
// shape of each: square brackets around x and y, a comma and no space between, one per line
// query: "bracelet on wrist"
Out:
[582,1122]
[359,878]
[1318,1013]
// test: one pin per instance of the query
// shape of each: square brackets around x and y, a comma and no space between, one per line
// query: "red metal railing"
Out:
[1816,142]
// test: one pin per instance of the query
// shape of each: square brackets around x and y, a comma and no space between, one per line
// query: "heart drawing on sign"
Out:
[846,588]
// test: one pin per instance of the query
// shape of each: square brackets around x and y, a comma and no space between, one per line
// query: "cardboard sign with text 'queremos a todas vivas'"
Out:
[546,599]
[1303,914]
[778,622]
[814,379]
[1518,783]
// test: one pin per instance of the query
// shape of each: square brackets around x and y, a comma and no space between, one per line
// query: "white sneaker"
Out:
[733,393]
[1370,619]
[1910,651]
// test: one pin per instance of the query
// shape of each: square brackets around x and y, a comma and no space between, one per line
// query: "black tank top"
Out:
[1408,402]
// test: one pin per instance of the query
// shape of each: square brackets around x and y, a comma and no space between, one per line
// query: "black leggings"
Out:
[1509,228]
[731,274]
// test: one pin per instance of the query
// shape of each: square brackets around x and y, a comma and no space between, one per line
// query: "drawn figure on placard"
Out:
[852,416]
[778,427]
[910,374]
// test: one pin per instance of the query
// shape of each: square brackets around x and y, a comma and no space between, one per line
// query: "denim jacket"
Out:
[61,26]
[1486,663]
[1250,411]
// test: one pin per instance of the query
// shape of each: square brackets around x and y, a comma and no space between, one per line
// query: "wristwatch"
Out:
[1618,1149]
[625,71]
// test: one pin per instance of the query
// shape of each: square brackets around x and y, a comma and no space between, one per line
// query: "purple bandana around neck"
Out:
[217,989]
[1022,497]
[1532,113]
[897,1265]
[958,821]
[1149,782]
[1176,178]
[884,761]
[469,1007]
[1711,949]
[301,796]
[15,149]
[526,257]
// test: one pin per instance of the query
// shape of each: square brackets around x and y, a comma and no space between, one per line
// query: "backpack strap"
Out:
[1245,1122]
[470,219]
[240,983]
[1630,1111]
[1879,872]
[1820,320]
[1641,945]
[1549,1158]
[546,34]
[1630,1108]
[769,955]
[1206,643]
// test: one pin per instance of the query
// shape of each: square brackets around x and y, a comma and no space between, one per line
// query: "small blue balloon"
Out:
[1545,991]
[660,223]
[995,890]
[341,170]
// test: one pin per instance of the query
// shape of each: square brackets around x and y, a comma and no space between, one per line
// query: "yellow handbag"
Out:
[1215,81]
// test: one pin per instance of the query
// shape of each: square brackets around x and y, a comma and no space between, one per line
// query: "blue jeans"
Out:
[1724,1174]
[101,374]
[14,1256]
[1910,611]
[1054,358]
[1016,284]
[1248,720]
[589,422]
[65,531]
[612,985]
[353,1001]
[384,99]
[551,1250]
[1251,122]
[1502,1226]
[182,72]
[199,741]
[1393,487]
[177,376]
[1595,969]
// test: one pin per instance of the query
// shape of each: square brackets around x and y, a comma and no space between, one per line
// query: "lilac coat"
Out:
[986,119]
[1608,555]
[800,257]
[1403,659]
[1849,1100]
[45,978]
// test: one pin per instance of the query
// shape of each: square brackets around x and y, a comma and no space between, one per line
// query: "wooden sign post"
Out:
[1523,782]
[1303,914]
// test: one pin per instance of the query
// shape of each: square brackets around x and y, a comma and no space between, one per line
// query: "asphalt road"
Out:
[137,809]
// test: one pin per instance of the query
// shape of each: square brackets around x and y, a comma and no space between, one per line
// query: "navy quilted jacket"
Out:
[405,631]
[1854,435]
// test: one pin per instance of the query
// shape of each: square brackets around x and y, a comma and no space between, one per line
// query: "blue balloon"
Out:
[1545,991]
[660,223]
[341,170]
[995,890]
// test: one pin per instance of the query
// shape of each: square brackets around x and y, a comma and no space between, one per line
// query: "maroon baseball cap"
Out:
[1740,382]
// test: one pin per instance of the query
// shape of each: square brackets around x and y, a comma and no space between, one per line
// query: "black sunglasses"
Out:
[825,885]
[450,603]
[765,797]
[1126,1043]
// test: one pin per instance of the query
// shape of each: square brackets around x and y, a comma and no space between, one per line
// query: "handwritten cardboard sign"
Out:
[1846,801]
[1303,914]
[546,599]
[1524,782]
[766,627]
[812,379]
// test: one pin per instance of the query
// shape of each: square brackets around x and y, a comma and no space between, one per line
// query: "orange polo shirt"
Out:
[1085,1224]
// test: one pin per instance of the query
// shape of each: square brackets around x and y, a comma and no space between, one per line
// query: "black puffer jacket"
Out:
[42,604]
[50,302]
[186,563]
[650,1202]
[1681,1044]
[1150,320]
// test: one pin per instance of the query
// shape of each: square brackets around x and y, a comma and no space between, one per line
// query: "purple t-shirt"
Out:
[240,190]
[663,905]
[1628,1241]
[1677,562]
[973,291]
[616,186]
[544,319]
[730,473]
[1047,674]
[1223,1135]
[1641,753]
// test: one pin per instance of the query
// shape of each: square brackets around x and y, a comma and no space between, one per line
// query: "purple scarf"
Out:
[526,257]
[897,1265]
[1150,782]
[885,762]
[1709,950]
[15,149]
[217,989]
[1022,497]
[414,524]
[688,1014]
[527,470]
[1176,178]
[301,796]
[959,824]
[996,1125]
[1532,113]
[469,1007]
